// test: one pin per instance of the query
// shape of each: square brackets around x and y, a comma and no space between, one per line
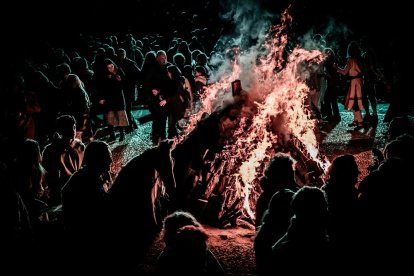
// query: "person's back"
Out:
[273,226]
[186,250]
[62,157]
[278,175]
[344,227]
[84,196]
[305,247]
[138,206]
[85,212]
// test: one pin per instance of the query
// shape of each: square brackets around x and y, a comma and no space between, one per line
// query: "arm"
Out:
[346,69]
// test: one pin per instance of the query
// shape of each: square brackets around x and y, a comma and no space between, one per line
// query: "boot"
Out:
[134,124]
[121,134]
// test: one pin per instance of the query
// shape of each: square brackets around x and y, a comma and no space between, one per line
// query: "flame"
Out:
[279,94]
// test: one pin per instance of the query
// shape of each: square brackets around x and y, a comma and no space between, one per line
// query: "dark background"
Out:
[22,21]
[45,17]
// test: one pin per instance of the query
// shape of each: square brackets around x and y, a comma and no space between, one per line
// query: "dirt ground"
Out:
[232,247]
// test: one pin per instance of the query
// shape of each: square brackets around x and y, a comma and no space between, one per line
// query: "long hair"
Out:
[353,50]
[29,172]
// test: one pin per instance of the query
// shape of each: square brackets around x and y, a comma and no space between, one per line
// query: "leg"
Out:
[111,133]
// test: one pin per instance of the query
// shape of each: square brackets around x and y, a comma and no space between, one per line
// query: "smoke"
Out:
[249,21]
[236,52]
[332,35]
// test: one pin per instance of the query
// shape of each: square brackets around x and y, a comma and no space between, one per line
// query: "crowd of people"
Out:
[59,196]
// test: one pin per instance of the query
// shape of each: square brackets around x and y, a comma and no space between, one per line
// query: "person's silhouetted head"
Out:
[175,221]
[344,169]
[397,127]
[66,127]
[98,155]
[280,170]
[309,204]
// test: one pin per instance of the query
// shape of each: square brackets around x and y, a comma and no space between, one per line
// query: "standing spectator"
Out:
[76,103]
[22,105]
[330,109]
[179,61]
[130,83]
[158,109]
[149,65]
[113,100]
[353,69]
[157,72]
[399,88]
[178,99]
[372,75]
[202,60]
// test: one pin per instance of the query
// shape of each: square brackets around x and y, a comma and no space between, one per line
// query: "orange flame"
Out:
[279,92]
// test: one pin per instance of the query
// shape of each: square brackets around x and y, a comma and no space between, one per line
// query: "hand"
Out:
[101,101]
[163,102]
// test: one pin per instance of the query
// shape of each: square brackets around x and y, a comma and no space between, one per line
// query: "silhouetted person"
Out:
[305,247]
[385,199]
[397,127]
[186,250]
[400,85]
[344,212]
[29,181]
[62,157]
[157,107]
[178,99]
[131,80]
[17,240]
[76,103]
[371,75]
[85,204]
[278,175]
[273,226]
[113,100]
[139,201]
[330,109]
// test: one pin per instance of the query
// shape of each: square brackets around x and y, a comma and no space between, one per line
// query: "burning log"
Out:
[213,183]
[308,170]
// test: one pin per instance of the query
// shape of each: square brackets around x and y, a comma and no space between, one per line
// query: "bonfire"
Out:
[272,114]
